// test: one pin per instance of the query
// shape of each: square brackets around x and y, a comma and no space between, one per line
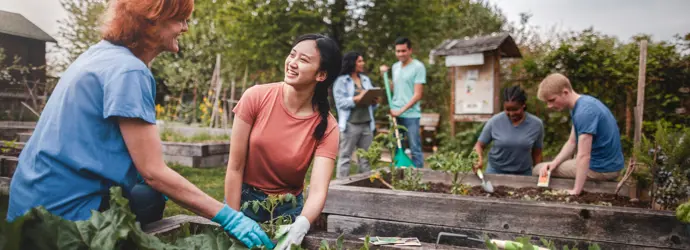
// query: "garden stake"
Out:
[400,159]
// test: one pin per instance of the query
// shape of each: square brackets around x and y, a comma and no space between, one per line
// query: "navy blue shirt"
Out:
[591,116]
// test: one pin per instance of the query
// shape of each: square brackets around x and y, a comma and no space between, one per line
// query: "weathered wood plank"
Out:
[10,132]
[17,123]
[520,181]
[8,165]
[195,149]
[578,222]
[198,161]
[5,185]
[429,233]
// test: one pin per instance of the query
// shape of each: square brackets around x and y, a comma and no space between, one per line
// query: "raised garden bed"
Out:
[356,205]
[170,227]
[197,155]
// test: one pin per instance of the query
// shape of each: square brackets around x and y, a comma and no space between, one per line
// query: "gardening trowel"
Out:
[486,185]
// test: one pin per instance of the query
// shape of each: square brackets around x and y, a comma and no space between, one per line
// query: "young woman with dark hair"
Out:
[355,119]
[282,128]
[517,137]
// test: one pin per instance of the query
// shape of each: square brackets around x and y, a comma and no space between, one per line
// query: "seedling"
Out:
[457,164]
[269,205]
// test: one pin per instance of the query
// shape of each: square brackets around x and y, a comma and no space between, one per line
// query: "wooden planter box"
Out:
[311,241]
[197,155]
[10,132]
[354,206]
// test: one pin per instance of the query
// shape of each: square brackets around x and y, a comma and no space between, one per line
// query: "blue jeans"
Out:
[146,203]
[250,193]
[491,170]
[413,138]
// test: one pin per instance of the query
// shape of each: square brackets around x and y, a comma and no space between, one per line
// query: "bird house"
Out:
[474,70]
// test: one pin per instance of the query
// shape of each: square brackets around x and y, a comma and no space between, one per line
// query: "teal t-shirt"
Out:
[404,79]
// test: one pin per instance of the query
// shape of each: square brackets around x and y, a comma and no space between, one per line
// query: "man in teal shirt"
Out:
[409,77]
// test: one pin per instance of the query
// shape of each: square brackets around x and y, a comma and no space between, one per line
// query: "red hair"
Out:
[134,23]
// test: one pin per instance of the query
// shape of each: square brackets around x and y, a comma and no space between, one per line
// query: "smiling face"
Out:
[514,110]
[169,32]
[359,65]
[402,52]
[302,64]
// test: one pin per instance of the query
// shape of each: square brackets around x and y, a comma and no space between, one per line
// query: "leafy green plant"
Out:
[339,244]
[456,164]
[411,180]
[170,135]
[523,243]
[8,146]
[271,227]
[463,141]
[683,212]
[666,162]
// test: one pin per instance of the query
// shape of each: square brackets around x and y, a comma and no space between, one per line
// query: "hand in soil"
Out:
[573,192]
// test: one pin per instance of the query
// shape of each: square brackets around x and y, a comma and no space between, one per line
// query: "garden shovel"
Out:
[400,160]
[486,185]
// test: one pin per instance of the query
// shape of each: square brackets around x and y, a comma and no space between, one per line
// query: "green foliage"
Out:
[115,228]
[524,243]
[272,226]
[412,180]
[8,146]
[666,164]
[463,141]
[456,164]
[79,30]
[683,212]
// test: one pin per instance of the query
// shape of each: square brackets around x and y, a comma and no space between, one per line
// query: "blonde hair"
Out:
[553,84]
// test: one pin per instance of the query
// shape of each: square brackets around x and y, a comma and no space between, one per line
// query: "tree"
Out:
[79,30]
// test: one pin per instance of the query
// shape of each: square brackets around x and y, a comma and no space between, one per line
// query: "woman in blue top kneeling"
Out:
[517,137]
[98,130]
[355,119]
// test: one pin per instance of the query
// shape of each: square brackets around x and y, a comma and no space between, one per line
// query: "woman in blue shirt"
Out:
[517,137]
[98,130]
[355,119]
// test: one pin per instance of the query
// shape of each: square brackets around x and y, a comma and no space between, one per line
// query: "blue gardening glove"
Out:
[298,230]
[242,227]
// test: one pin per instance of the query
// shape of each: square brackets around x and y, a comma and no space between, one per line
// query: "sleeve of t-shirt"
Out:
[420,77]
[130,94]
[328,146]
[539,143]
[485,136]
[585,122]
[248,106]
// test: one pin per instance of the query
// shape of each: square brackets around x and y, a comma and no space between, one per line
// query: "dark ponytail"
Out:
[330,62]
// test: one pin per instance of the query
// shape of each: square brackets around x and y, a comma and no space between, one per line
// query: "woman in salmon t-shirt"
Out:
[279,129]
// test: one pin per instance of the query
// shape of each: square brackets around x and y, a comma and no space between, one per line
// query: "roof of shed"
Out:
[17,25]
[501,41]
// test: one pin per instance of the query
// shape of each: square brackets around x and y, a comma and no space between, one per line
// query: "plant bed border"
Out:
[8,164]
[634,227]
[197,154]
[311,241]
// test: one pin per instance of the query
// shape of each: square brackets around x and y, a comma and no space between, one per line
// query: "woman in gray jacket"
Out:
[355,119]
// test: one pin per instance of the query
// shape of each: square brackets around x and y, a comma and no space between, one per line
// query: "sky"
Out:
[621,18]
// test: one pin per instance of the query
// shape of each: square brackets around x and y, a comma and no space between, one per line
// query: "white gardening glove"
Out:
[298,230]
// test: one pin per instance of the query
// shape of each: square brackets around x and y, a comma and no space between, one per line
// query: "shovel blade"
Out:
[488,187]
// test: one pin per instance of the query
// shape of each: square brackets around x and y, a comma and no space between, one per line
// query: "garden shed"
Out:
[474,70]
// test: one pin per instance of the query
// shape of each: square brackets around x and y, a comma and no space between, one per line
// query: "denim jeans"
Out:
[413,138]
[491,170]
[146,203]
[250,193]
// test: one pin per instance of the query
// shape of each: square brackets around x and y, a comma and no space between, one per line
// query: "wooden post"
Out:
[451,113]
[639,109]
[497,83]
[639,113]
[231,103]
[217,83]
[244,80]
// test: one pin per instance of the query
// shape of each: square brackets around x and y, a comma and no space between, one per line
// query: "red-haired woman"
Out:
[98,129]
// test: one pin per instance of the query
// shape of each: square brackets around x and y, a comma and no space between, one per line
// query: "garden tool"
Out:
[401,160]
[486,185]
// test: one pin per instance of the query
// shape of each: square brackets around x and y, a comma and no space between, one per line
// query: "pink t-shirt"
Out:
[281,145]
